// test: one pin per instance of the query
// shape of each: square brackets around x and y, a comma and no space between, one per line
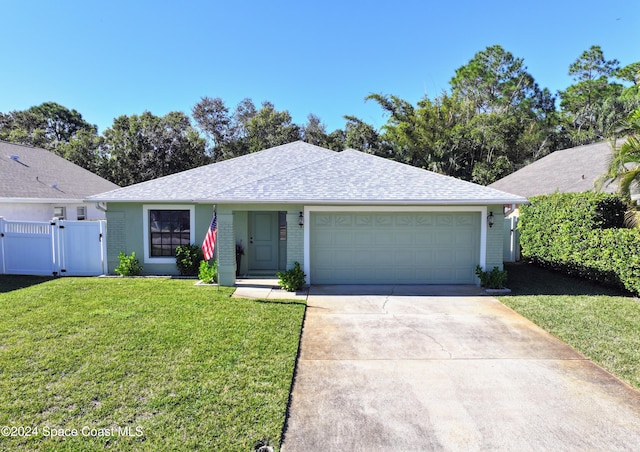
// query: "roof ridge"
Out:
[297,168]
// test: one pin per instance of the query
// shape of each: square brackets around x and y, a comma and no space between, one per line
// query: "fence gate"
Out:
[57,247]
[511,243]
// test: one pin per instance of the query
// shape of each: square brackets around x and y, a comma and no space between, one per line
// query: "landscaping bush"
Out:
[208,273]
[494,279]
[129,265]
[293,279]
[188,258]
[582,234]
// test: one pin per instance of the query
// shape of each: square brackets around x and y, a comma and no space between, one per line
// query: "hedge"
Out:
[582,234]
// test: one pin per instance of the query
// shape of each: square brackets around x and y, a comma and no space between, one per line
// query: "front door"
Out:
[263,241]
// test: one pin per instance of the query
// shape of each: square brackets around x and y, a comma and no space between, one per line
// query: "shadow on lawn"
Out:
[529,279]
[9,283]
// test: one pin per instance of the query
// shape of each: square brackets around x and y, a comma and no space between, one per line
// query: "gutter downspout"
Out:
[101,206]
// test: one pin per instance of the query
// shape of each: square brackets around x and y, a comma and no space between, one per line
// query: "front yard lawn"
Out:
[142,364]
[600,322]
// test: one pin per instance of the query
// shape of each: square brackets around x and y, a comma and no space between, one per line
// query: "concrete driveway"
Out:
[396,369]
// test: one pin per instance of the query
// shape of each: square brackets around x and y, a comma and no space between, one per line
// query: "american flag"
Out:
[210,239]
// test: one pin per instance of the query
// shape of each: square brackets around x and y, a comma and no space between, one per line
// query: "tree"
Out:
[630,73]
[140,148]
[314,131]
[227,132]
[494,81]
[625,164]
[47,125]
[83,149]
[212,117]
[587,114]
[361,136]
[269,128]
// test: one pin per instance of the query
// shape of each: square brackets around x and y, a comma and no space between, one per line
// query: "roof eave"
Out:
[145,201]
[357,202]
[42,200]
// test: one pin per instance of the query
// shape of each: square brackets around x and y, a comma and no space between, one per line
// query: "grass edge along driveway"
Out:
[142,364]
[600,322]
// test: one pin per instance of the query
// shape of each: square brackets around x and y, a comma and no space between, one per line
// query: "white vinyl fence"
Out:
[511,244]
[56,247]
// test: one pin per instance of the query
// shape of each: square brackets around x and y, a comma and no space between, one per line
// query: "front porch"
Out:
[257,241]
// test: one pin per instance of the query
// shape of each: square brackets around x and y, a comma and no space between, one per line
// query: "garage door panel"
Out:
[343,220]
[363,258]
[406,239]
[398,248]
[464,238]
[425,219]
[424,237]
[383,239]
[323,237]
[364,238]
[424,258]
[462,256]
[343,239]
[403,257]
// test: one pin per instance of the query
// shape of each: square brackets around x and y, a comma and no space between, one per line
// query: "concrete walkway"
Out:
[266,288]
[390,369]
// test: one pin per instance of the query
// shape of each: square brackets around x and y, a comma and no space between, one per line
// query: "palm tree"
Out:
[625,163]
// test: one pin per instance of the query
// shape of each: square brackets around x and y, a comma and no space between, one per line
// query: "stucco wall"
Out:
[125,233]
[44,211]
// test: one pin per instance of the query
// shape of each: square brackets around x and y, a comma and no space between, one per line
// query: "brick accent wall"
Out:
[495,238]
[295,240]
[226,249]
[116,239]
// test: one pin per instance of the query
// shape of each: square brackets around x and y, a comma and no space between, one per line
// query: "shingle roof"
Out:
[302,173]
[568,171]
[35,173]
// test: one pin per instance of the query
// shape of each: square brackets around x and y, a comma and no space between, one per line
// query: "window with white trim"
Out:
[59,212]
[166,227]
[167,230]
[81,213]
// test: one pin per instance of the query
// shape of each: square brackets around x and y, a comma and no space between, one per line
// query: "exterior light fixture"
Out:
[490,219]
[301,219]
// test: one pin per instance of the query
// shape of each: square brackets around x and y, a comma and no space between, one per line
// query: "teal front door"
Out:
[263,241]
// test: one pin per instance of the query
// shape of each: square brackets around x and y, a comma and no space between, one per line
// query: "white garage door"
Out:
[394,248]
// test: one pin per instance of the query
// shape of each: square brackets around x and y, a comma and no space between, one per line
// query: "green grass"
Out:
[600,322]
[189,367]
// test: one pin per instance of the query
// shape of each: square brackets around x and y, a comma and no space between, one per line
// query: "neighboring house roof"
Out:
[31,174]
[304,173]
[568,171]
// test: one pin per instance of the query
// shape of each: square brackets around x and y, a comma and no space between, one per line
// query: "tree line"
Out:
[493,120]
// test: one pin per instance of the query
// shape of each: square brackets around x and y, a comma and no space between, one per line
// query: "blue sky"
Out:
[109,58]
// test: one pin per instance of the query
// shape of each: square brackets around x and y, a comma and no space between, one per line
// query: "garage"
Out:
[394,247]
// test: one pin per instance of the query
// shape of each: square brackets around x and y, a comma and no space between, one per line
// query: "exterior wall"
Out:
[17,211]
[295,238]
[495,238]
[236,227]
[226,247]
[125,232]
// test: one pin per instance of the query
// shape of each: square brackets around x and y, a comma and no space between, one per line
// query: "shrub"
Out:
[188,258]
[293,279]
[208,273]
[129,265]
[495,279]
[582,234]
